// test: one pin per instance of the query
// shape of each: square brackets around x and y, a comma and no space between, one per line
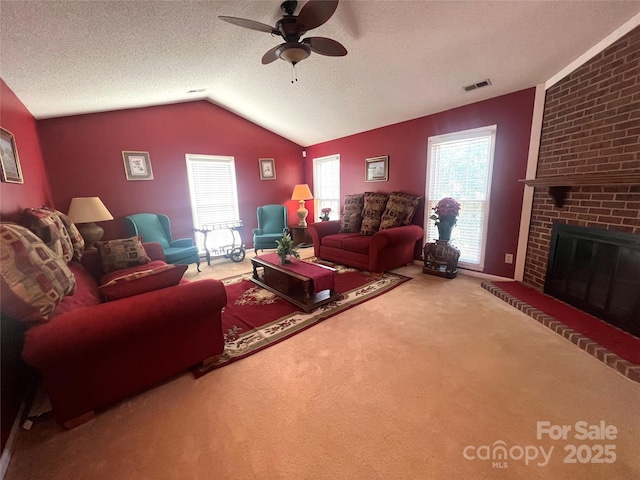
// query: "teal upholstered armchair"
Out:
[154,227]
[272,225]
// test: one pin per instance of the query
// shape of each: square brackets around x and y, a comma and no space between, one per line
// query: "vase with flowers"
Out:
[325,214]
[441,258]
[445,215]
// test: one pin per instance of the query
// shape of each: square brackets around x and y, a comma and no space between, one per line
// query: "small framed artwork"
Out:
[137,165]
[267,169]
[11,171]
[377,169]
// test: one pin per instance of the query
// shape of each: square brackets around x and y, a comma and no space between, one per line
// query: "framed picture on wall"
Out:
[11,171]
[137,166]
[267,168]
[377,169]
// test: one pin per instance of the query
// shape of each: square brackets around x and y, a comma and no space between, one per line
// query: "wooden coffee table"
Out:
[293,287]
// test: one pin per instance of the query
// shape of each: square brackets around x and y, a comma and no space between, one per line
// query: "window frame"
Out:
[335,213]
[486,131]
[192,157]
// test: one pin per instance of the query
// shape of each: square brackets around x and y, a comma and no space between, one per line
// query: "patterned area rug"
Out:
[255,318]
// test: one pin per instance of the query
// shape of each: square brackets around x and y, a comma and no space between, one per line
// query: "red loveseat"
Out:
[92,354]
[385,250]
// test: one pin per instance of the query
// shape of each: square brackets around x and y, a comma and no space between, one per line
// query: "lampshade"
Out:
[85,211]
[301,192]
[88,209]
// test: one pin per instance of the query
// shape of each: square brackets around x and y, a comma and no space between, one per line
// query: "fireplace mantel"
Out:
[559,185]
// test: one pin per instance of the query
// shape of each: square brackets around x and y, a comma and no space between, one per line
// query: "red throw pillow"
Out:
[135,283]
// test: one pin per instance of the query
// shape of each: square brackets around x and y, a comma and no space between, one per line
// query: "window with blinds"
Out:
[459,165]
[214,197]
[326,185]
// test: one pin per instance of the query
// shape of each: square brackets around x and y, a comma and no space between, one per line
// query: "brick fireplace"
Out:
[591,125]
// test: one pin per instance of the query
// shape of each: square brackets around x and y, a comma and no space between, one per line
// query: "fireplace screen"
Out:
[597,271]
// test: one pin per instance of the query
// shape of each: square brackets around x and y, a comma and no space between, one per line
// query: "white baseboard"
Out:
[473,273]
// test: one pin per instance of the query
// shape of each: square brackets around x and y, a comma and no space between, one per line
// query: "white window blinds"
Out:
[214,196]
[326,185]
[459,166]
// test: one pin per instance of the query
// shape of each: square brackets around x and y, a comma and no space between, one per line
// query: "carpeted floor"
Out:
[614,347]
[420,383]
[607,335]
[255,318]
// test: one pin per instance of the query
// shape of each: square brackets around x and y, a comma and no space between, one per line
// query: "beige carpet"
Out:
[394,388]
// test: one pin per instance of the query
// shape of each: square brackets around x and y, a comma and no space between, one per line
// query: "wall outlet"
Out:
[508,258]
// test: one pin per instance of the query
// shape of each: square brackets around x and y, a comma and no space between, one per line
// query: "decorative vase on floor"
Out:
[441,258]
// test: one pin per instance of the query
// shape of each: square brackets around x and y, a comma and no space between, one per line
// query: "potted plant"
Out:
[285,249]
[445,215]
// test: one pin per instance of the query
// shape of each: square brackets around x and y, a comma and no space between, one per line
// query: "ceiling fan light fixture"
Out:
[293,52]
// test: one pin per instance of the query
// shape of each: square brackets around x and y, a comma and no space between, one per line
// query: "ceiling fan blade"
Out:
[252,24]
[271,55]
[325,46]
[315,13]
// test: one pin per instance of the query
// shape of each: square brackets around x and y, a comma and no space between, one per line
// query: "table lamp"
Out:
[84,211]
[301,193]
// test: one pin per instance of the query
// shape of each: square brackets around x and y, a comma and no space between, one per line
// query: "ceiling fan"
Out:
[313,14]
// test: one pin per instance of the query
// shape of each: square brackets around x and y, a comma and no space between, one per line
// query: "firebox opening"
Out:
[597,271]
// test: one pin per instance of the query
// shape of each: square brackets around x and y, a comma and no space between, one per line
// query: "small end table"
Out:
[301,236]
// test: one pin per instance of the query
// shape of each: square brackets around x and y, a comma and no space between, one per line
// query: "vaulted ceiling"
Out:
[406,59]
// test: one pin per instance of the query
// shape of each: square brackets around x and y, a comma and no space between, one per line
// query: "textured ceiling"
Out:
[406,59]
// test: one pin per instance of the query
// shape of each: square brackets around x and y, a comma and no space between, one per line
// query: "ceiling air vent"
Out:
[481,84]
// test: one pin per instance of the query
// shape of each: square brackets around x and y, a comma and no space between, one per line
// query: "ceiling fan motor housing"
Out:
[290,29]
[289,6]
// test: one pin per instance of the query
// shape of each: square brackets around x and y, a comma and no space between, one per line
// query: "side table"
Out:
[300,236]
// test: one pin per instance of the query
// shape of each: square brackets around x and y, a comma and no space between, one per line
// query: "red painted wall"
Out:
[84,158]
[16,377]
[35,190]
[406,145]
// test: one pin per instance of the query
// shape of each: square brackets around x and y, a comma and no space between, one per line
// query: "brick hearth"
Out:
[623,366]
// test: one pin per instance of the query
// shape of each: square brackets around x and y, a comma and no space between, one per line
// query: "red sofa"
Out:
[385,250]
[92,354]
